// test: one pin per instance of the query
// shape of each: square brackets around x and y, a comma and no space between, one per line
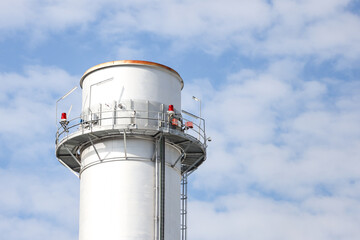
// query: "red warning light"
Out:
[171,108]
[63,116]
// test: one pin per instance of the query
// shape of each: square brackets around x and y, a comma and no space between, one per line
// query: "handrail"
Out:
[99,119]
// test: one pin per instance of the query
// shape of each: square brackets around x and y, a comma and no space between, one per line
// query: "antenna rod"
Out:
[67,94]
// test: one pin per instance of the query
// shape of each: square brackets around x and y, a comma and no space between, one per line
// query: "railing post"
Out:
[114,114]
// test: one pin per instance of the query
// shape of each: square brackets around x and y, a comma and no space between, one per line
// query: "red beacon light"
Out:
[63,117]
[171,110]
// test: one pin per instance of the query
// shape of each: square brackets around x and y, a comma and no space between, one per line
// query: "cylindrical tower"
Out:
[131,147]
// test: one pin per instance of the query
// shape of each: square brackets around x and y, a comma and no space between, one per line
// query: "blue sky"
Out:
[279,82]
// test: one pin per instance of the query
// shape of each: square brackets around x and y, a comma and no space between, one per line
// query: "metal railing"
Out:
[132,119]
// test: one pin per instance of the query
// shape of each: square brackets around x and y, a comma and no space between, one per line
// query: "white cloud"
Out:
[36,203]
[27,110]
[248,217]
[46,15]
[23,229]
[322,29]
[127,51]
[302,28]
[29,99]
[34,208]
[323,38]
[290,146]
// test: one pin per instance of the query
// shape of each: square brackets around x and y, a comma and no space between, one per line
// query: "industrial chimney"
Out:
[132,149]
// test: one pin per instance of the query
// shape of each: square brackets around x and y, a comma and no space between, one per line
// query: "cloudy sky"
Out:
[280,85]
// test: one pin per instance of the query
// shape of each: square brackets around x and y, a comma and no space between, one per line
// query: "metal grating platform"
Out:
[143,119]
[194,152]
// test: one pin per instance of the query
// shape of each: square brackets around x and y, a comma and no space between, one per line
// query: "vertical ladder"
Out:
[183,209]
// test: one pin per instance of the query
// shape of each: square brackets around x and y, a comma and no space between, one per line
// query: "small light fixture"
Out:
[196,99]
[63,117]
